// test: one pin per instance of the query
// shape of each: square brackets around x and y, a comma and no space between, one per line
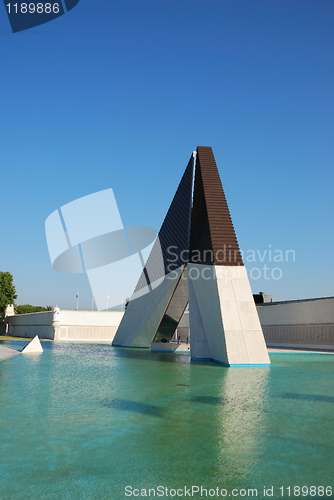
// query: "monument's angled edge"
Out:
[161,294]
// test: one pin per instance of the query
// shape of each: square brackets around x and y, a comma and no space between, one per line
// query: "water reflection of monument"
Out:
[242,417]
[230,413]
[202,264]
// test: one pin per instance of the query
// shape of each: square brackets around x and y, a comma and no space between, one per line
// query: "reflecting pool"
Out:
[85,421]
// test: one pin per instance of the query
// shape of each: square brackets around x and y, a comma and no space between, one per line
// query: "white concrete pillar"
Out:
[224,324]
[56,323]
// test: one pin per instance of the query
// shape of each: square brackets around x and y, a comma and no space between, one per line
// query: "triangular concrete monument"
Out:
[202,264]
[224,324]
[161,295]
[34,346]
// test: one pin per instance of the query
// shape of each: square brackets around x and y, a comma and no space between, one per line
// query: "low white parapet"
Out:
[297,312]
[170,347]
[29,325]
[90,326]
[302,324]
[87,326]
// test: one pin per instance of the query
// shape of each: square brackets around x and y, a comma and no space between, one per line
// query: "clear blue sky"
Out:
[118,94]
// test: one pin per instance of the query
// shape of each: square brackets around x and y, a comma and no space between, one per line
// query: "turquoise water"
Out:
[84,421]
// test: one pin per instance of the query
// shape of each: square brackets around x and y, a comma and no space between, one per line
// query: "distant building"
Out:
[262,298]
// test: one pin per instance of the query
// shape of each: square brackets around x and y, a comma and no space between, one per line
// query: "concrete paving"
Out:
[297,351]
[7,352]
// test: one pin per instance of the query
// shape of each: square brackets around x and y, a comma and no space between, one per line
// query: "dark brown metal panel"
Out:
[212,236]
[173,235]
[200,237]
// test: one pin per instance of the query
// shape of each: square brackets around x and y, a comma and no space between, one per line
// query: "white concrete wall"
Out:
[305,324]
[90,326]
[184,323]
[182,331]
[297,324]
[90,318]
[319,311]
[29,325]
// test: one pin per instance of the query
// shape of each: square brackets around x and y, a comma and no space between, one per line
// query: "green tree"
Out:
[27,308]
[7,291]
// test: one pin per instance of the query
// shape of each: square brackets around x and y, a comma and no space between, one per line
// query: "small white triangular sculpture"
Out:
[33,346]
